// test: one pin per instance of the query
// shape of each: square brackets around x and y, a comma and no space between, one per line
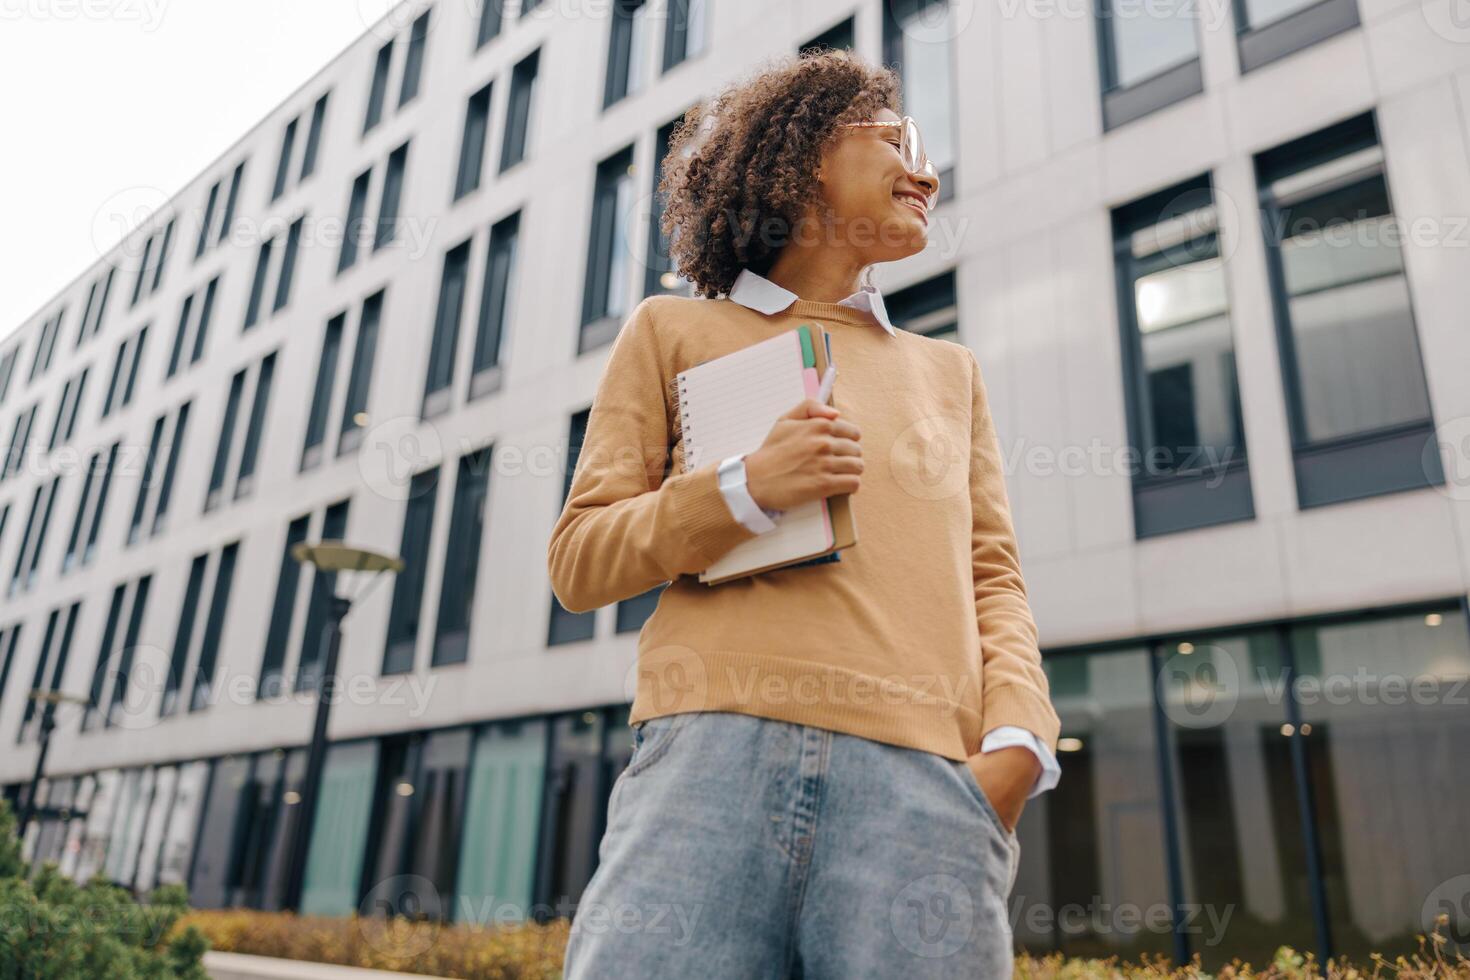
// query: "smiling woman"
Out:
[892,697]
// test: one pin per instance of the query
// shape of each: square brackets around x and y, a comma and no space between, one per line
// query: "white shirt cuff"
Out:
[1010,736]
[744,507]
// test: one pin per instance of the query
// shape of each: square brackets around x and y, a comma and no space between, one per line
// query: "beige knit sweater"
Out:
[920,636]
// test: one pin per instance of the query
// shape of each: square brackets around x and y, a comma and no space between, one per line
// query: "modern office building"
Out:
[1214,261]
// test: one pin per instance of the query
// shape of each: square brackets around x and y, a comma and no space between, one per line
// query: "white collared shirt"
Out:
[764,296]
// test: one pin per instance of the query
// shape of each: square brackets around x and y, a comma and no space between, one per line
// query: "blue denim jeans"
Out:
[748,848]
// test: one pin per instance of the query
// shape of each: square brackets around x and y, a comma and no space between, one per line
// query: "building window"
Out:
[1149,57]
[171,468]
[155,258]
[323,587]
[1270,29]
[1107,813]
[226,440]
[97,476]
[19,441]
[355,416]
[288,265]
[353,233]
[321,397]
[565,626]
[332,879]
[224,577]
[118,702]
[630,49]
[462,559]
[255,430]
[33,537]
[392,196]
[438,392]
[918,41]
[418,815]
[220,833]
[183,635]
[1357,402]
[472,142]
[272,681]
[518,111]
[254,433]
[1180,389]
[684,31]
[227,220]
[605,293]
[283,163]
[150,463]
[90,548]
[492,13]
[284,270]
[66,409]
[413,65]
[92,315]
[497,863]
[408,586]
[258,281]
[841,36]
[101,668]
[206,221]
[50,669]
[496,294]
[928,308]
[194,317]
[378,92]
[314,137]
[125,370]
[46,345]
[660,276]
[203,680]
[574,815]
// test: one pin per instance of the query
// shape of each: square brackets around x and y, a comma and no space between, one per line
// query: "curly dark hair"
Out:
[741,167]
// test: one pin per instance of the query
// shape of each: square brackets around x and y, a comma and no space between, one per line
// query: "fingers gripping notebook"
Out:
[727,406]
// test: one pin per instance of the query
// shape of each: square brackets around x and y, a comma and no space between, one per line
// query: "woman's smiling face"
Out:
[881,208]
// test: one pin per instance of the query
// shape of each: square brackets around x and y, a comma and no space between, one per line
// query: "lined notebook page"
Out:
[728,407]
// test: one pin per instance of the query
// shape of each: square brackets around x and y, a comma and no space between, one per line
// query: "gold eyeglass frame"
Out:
[910,150]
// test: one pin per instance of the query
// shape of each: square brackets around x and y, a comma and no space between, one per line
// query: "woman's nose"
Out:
[928,184]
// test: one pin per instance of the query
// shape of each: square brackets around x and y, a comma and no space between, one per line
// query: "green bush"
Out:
[53,929]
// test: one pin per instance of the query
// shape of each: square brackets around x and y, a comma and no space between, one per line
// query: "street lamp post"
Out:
[48,724]
[330,558]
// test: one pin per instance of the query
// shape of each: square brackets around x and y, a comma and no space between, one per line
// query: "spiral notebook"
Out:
[727,406]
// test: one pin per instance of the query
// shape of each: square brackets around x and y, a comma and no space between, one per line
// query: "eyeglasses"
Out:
[910,150]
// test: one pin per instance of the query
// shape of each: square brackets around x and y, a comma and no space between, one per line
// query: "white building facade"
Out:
[1214,259]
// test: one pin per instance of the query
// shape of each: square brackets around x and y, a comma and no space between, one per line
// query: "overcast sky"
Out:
[111,102]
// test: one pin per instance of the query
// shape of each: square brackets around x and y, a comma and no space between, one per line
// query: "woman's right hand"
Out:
[809,454]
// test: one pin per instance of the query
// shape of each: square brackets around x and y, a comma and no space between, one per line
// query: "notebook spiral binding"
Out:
[678,436]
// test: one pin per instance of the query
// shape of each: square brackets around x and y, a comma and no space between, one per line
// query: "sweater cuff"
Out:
[708,523]
[1011,704]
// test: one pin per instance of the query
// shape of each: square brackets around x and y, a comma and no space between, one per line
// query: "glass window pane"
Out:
[339,831]
[1149,38]
[1244,860]
[1358,363]
[1384,724]
[928,79]
[183,824]
[208,882]
[497,862]
[1259,12]
[1094,845]
[1189,401]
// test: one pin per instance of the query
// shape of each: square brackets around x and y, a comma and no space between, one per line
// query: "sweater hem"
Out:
[906,711]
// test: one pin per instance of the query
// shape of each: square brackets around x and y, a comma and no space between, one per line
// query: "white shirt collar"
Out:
[760,294]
